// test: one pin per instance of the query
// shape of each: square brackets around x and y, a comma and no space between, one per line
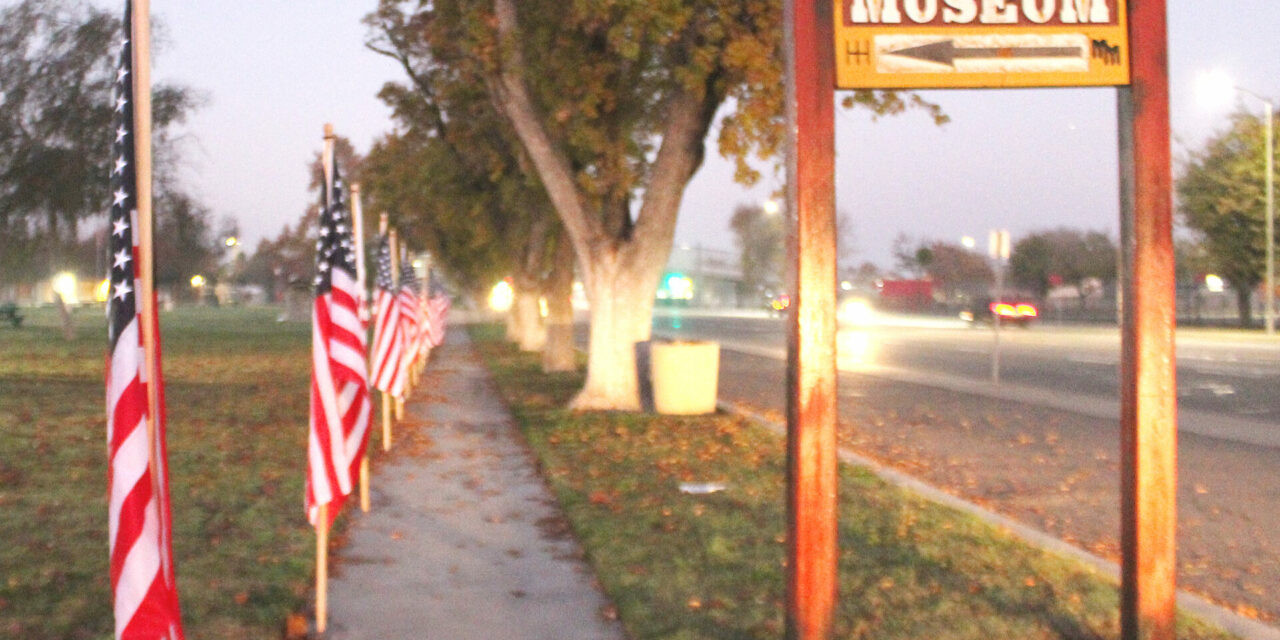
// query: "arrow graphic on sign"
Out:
[946,52]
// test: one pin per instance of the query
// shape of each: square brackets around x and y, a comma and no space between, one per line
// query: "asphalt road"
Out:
[1221,374]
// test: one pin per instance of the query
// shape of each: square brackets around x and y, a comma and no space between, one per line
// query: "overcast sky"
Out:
[274,71]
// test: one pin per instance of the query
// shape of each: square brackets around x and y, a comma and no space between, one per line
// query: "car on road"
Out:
[779,303]
[1017,313]
[855,310]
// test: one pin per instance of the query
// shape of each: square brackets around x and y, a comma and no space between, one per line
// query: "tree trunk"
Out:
[1244,306]
[531,334]
[64,313]
[513,322]
[621,311]
[558,354]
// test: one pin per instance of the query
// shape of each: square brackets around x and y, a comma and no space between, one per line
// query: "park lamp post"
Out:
[1215,85]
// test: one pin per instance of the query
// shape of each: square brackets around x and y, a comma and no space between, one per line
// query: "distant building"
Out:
[703,277]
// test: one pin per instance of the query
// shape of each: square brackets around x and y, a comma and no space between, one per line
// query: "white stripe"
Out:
[344,318]
[358,434]
[127,467]
[125,365]
[343,354]
[384,344]
[141,568]
[347,396]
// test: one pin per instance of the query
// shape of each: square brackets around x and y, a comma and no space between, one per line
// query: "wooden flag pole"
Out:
[359,223]
[322,517]
[364,483]
[357,229]
[322,567]
[386,397]
[140,34]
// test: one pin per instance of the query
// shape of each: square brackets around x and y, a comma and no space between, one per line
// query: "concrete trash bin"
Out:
[685,376]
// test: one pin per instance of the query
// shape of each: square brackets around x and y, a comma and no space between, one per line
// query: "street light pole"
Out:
[1268,296]
[1271,217]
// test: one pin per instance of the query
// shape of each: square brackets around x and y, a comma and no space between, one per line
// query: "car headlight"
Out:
[856,311]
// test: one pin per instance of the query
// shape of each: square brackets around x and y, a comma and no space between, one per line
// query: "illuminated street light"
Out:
[770,206]
[1212,86]
[232,241]
[501,297]
[1214,283]
[197,281]
[64,284]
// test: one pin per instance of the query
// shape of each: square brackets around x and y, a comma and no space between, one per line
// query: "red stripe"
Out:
[161,473]
[129,530]
[129,411]
[152,619]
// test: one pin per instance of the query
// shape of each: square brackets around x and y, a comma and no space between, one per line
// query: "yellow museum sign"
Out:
[937,44]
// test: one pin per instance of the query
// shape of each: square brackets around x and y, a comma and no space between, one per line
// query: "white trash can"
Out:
[685,376]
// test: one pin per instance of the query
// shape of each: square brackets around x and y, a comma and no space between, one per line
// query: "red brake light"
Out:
[1027,310]
[1003,309]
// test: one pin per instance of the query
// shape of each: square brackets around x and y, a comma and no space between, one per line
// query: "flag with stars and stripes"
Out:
[410,317]
[144,593]
[388,332]
[340,407]
[437,314]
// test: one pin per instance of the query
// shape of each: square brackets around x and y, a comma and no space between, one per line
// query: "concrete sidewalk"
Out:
[463,539]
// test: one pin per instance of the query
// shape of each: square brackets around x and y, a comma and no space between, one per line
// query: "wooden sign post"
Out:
[811,335]
[1149,410]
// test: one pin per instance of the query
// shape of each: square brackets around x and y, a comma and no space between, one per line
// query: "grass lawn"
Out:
[237,389]
[712,566]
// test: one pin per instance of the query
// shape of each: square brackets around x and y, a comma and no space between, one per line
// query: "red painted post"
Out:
[811,342]
[1149,435]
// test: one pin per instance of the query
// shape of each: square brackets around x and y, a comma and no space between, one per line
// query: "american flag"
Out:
[144,593]
[410,317]
[437,312]
[340,408]
[388,333]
